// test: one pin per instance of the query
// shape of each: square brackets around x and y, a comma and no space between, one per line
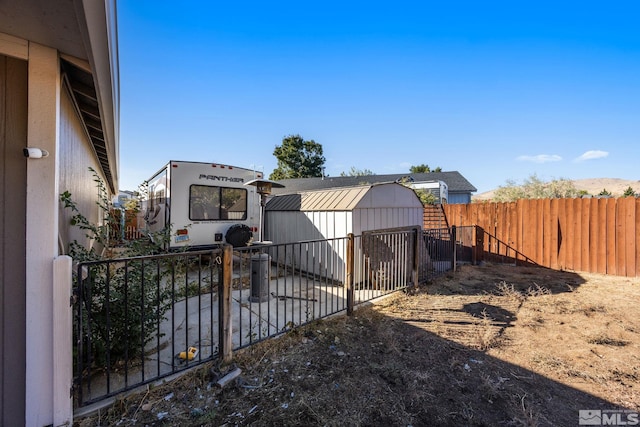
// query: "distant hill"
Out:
[592,186]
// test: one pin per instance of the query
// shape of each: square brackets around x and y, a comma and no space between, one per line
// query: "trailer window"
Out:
[207,203]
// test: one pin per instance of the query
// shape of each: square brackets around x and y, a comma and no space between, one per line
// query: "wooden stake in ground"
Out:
[222,382]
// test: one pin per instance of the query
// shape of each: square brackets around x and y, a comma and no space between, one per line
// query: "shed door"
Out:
[13,181]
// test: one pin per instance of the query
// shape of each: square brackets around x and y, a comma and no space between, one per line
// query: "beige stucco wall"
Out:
[76,157]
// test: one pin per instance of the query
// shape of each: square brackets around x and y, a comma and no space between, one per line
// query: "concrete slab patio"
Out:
[257,314]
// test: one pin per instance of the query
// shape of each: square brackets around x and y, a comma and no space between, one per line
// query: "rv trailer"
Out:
[202,205]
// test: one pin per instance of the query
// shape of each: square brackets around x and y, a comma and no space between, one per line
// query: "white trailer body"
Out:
[203,204]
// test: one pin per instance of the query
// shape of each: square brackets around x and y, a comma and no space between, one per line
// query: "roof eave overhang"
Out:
[98,25]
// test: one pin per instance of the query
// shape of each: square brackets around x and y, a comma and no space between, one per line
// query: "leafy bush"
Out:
[122,301]
[426,197]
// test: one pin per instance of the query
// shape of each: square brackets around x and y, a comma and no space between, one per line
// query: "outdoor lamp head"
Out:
[264,186]
[34,153]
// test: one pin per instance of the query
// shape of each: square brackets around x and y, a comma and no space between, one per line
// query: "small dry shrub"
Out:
[537,290]
[508,290]
[549,362]
[491,388]
[529,417]
[485,332]
[605,340]
[534,323]
[590,310]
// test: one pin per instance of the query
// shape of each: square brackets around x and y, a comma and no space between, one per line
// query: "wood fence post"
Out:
[350,268]
[416,256]
[478,250]
[225,333]
[453,246]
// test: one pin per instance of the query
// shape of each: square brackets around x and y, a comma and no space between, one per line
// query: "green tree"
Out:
[534,188]
[629,192]
[423,169]
[425,196]
[132,205]
[298,158]
[605,193]
[357,172]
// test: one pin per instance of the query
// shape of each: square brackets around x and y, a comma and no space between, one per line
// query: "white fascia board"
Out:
[100,34]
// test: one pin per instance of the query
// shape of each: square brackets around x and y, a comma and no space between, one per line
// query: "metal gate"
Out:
[137,320]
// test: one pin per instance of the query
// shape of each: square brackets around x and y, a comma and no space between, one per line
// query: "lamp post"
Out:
[263,188]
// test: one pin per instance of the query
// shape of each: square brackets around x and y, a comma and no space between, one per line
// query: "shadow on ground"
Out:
[438,357]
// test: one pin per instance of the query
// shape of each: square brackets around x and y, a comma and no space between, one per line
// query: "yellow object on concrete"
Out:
[190,354]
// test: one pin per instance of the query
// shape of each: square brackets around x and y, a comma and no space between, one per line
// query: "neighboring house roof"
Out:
[342,199]
[455,181]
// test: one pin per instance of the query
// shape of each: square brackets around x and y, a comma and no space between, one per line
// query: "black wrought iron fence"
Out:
[136,317]
[279,287]
[141,319]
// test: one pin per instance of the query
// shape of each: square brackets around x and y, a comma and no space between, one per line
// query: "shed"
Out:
[336,212]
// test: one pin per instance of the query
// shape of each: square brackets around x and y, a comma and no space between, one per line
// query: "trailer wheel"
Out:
[238,235]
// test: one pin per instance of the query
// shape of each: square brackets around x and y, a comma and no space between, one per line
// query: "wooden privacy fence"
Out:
[125,225]
[590,235]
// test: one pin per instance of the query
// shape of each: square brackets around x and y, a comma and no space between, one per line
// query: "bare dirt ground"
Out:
[489,345]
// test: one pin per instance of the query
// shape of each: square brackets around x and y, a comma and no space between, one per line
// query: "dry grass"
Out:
[488,345]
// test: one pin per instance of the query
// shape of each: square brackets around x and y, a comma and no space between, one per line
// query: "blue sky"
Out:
[495,90]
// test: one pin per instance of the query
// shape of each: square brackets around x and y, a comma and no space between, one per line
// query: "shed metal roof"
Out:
[339,199]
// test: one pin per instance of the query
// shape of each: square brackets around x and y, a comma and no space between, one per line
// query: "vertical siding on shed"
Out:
[382,207]
[383,218]
[330,224]
[284,227]
[295,226]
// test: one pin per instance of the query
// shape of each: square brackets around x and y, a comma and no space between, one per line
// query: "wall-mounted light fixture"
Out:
[35,153]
